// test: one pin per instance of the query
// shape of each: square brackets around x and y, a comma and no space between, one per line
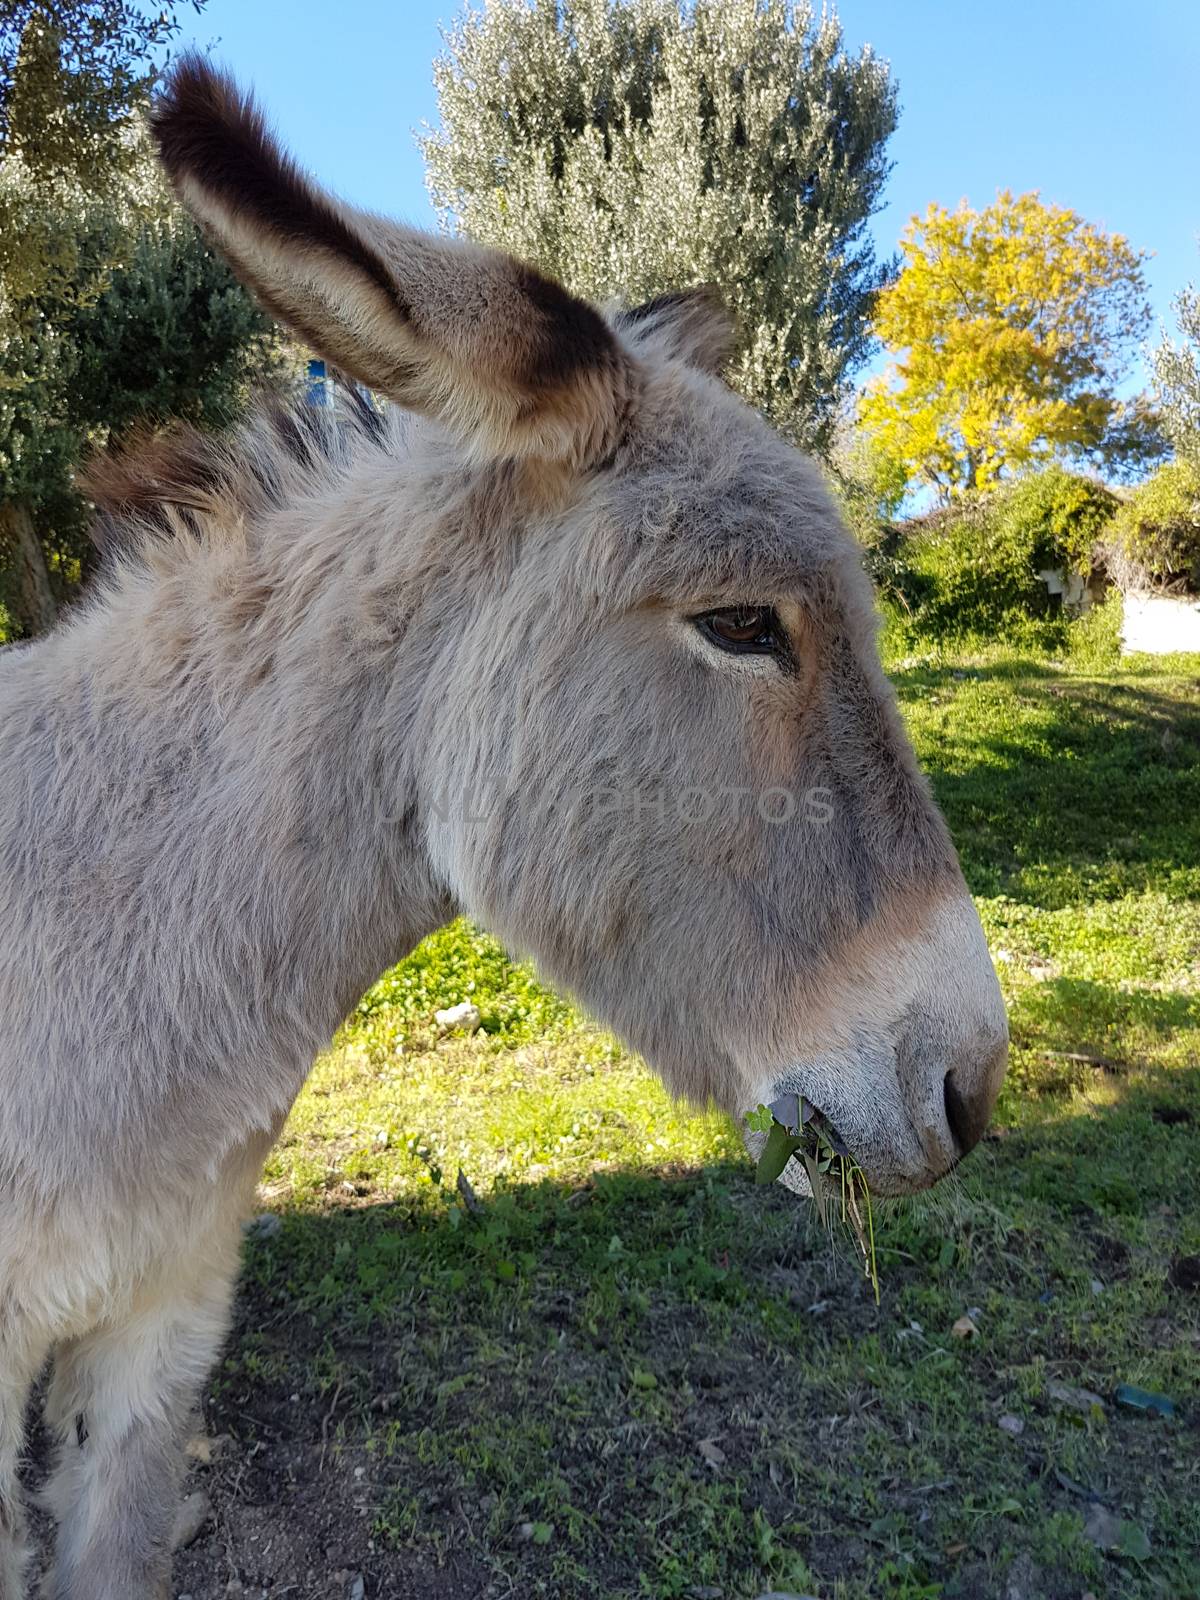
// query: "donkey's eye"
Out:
[743,630]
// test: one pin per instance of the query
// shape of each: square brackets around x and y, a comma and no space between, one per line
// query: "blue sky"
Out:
[1090,101]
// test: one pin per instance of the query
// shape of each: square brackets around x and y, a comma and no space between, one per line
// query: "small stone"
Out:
[1097,1286]
[1085,1401]
[705,1591]
[234,1588]
[1102,1526]
[965,1328]
[1011,1424]
[265,1226]
[189,1519]
[465,1016]
[1024,1580]
[358,1587]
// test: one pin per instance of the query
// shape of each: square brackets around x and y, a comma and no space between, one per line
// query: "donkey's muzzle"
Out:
[911,1082]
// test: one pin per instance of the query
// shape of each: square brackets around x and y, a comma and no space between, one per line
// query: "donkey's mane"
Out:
[187,482]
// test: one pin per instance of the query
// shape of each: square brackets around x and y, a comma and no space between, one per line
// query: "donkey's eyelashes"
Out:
[745,631]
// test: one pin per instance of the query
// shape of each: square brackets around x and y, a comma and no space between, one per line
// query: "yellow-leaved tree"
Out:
[1011,329]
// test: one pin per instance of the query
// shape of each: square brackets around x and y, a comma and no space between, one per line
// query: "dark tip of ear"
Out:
[695,324]
[196,104]
[212,135]
[701,296]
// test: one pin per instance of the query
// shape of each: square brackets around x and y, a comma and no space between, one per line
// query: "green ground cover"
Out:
[614,1368]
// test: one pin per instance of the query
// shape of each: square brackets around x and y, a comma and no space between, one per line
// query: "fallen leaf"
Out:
[1072,1487]
[1107,1531]
[712,1452]
[1084,1401]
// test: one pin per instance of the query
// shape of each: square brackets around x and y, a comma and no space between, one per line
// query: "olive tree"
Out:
[636,146]
[1177,377]
[111,306]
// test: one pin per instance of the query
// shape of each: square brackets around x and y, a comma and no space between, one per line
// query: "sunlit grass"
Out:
[557,1337]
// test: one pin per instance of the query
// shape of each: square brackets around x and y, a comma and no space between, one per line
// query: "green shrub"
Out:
[1058,516]
[973,569]
[1154,541]
[1094,641]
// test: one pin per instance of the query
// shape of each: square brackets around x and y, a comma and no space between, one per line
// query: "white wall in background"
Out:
[1160,623]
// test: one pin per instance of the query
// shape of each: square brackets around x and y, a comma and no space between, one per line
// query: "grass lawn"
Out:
[630,1373]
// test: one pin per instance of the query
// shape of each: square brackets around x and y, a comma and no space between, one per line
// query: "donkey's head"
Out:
[657,747]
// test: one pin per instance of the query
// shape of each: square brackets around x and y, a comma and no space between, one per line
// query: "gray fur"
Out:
[245,776]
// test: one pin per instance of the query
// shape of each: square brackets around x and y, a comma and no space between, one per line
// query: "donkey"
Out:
[565,568]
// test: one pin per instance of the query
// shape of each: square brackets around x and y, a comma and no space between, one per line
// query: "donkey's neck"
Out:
[250,708]
[318,730]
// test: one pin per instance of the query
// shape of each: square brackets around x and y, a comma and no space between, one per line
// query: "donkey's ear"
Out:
[691,325]
[507,357]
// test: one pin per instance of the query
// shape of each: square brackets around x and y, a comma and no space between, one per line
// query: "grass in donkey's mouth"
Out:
[795,1129]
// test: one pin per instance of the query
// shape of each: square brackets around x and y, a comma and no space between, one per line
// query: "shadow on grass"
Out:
[709,1235]
[1079,1014]
[653,1382]
[1132,1153]
[1077,786]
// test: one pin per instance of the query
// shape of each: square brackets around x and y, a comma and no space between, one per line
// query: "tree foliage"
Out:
[870,486]
[111,306]
[148,324]
[1177,378]
[1011,328]
[632,147]
[72,73]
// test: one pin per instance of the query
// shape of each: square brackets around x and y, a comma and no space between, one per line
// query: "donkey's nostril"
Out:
[967,1114]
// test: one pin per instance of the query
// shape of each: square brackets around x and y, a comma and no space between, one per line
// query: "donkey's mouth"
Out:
[802,1145]
[799,1115]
